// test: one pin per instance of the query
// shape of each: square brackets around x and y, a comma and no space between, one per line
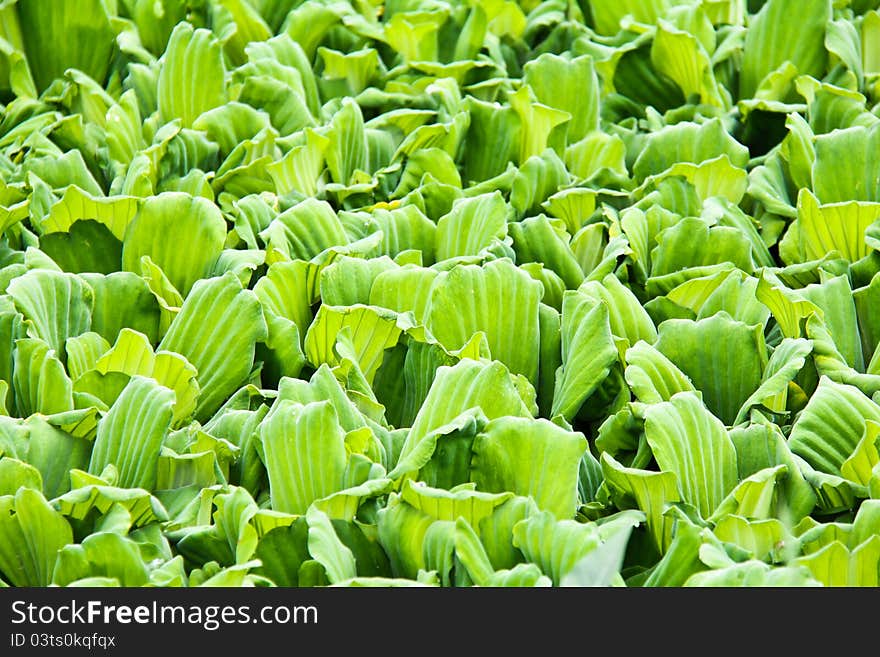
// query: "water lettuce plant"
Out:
[440,292]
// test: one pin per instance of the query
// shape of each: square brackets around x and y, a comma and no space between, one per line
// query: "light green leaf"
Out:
[773,39]
[82,35]
[688,142]
[122,299]
[455,389]
[556,546]
[193,56]
[688,440]
[531,458]
[754,498]
[828,430]
[857,181]
[347,150]
[58,305]
[836,565]
[497,299]
[39,381]
[304,454]
[542,240]
[114,212]
[724,358]
[33,533]
[56,448]
[15,474]
[166,221]
[859,467]
[569,85]
[326,548]
[652,376]
[787,360]
[472,225]
[820,230]
[626,316]
[222,349]
[762,538]
[588,352]
[133,355]
[305,230]
[130,435]
[371,330]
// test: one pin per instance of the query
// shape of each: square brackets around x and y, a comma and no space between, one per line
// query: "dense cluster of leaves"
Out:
[443,292]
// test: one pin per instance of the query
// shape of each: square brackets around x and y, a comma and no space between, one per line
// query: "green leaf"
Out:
[787,360]
[497,299]
[305,230]
[406,228]
[142,509]
[472,225]
[608,15]
[754,497]
[193,54]
[282,551]
[492,139]
[772,40]
[595,153]
[55,448]
[130,435]
[588,352]
[539,177]
[836,565]
[753,574]
[681,56]
[859,467]
[626,316]
[328,550]
[419,514]
[530,458]
[857,181]
[123,300]
[556,546]
[58,305]
[831,228]
[455,389]
[82,34]
[304,454]
[569,85]
[828,430]
[33,533]
[537,122]
[301,166]
[407,289]
[40,383]
[720,244]
[687,142]
[601,567]
[87,247]
[166,221]
[347,149]
[724,358]
[371,330]
[114,212]
[688,440]
[15,474]
[542,240]
[222,349]
[833,296]
[231,539]
[133,355]
[103,554]
[761,538]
